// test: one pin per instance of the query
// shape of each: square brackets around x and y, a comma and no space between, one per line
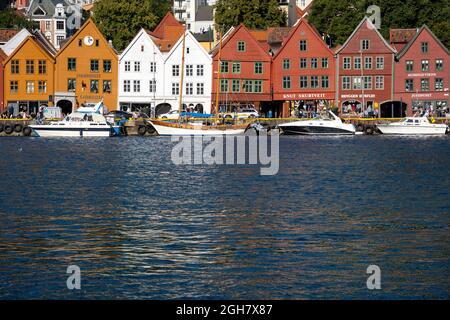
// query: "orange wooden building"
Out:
[29,76]
[86,70]
[3,56]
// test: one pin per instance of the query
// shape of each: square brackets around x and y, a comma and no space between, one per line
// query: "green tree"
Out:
[9,18]
[339,18]
[120,20]
[255,14]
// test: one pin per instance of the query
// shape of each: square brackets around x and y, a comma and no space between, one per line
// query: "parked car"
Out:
[244,113]
[172,115]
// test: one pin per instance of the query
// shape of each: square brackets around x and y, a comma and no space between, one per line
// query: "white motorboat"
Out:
[185,129]
[85,122]
[331,125]
[413,126]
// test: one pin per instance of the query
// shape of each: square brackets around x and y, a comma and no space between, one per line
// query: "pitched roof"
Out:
[370,26]
[205,13]
[2,54]
[277,34]
[166,25]
[7,34]
[44,42]
[48,6]
[401,35]
[411,42]
[35,40]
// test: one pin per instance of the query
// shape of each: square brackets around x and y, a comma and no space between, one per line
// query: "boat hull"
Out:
[172,130]
[52,131]
[322,128]
[412,130]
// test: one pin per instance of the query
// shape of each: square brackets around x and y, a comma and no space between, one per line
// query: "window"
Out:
[303,82]
[94,65]
[303,45]
[286,82]
[365,44]
[175,88]
[347,63]
[367,83]
[367,62]
[14,86]
[189,89]
[94,86]
[286,64]
[258,67]
[200,70]
[80,42]
[439,65]
[380,63]
[189,70]
[127,66]
[48,25]
[439,84]
[152,86]
[30,86]
[346,83]
[30,66]
[379,83]
[424,47]
[357,63]
[425,84]
[356,83]
[248,86]
[409,85]
[42,86]
[71,64]
[137,66]
[325,82]
[152,66]
[314,82]
[175,70]
[59,39]
[258,86]
[126,86]
[106,65]
[15,67]
[324,63]
[42,67]
[314,63]
[188,50]
[236,67]
[409,65]
[59,25]
[71,84]
[224,85]
[241,46]
[235,85]
[200,89]
[136,85]
[425,65]
[106,86]
[303,63]
[224,67]
[97,42]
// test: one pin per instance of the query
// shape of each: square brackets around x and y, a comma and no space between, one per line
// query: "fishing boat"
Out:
[85,122]
[331,125]
[413,126]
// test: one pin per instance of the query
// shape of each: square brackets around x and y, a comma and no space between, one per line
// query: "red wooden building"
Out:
[365,73]
[422,74]
[304,72]
[3,57]
[245,76]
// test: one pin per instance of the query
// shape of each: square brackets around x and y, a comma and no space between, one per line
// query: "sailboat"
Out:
[164,128]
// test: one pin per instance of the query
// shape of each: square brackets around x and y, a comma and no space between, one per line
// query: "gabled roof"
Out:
[372,27]
[411,42]
[401,35]
[7,34]
[36,41]
[179,43]
[15,41]
[163,27]
[142,32]
[75,36]
[45,42]
[48,6]
[294,30]
[277,34]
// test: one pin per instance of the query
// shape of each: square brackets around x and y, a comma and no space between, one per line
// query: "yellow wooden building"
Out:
[86,70]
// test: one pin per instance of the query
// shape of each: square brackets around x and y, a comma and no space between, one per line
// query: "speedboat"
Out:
[413,126]
[85,122]
[331,125]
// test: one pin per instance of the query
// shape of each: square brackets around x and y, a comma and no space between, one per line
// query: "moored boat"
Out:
[413,126]
[164,128]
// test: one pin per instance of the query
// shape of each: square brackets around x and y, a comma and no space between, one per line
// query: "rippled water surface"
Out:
[140,227]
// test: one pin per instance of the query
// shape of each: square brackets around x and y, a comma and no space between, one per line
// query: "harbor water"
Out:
[140,227]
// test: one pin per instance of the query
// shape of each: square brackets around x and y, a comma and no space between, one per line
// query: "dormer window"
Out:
[39,12]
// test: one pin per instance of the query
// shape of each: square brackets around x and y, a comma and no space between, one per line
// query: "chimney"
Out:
[292,13]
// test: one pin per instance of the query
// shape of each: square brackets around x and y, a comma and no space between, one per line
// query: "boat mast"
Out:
[219,66]
[180,106]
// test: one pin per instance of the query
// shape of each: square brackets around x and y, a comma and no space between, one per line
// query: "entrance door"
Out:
[66,106]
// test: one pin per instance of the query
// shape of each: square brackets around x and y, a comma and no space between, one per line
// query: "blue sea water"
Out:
[140,227]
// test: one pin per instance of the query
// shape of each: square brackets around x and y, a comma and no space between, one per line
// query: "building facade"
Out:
[365,66]
[3,57]
[304,72]
[422,74]
[86,70]
[29,76]
[244,76]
